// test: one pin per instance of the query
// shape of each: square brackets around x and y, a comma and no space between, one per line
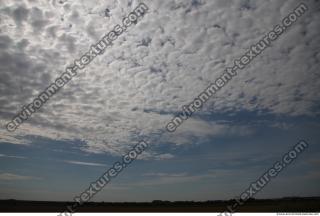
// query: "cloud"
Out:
[199,130]
[14,177]
[159,178]
[12,156]
[84,163]
[161,63]
[168,178]
[165,174]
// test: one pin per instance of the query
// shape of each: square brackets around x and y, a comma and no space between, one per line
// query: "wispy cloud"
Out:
[12,156]
[5,137]
[168,178]
[84,163]
[13,177]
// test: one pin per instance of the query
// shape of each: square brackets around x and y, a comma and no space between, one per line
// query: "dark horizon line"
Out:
[158,200]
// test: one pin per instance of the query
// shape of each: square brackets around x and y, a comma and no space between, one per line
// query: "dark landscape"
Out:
[294,204]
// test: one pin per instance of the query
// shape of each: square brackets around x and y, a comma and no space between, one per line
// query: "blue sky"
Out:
[215,168]
[133,90]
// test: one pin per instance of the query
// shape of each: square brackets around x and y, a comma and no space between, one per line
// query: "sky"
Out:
[140,83]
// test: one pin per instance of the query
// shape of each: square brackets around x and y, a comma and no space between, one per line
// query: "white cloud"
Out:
[84,163]
[188,46]
[159,178]
[167,178]
[12,156]
[13,177]
[202,130]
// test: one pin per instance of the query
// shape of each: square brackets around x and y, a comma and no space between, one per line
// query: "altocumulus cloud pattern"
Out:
[158,66]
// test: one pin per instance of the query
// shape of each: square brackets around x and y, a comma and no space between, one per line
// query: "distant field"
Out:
[270,205]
